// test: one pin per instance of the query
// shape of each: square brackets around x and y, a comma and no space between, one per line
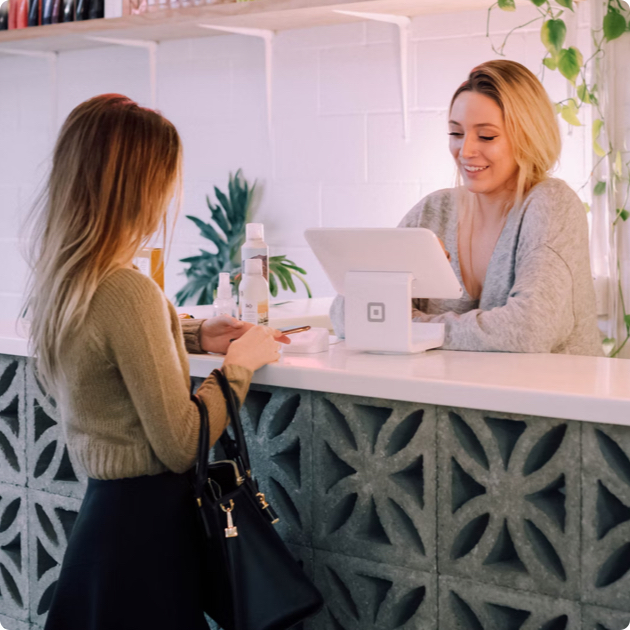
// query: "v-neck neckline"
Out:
[490,262]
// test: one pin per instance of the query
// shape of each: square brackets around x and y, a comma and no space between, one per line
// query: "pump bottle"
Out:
[224,303]
[255,247]
[253,293]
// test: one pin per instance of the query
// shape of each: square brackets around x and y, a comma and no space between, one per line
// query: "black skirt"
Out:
[133,559]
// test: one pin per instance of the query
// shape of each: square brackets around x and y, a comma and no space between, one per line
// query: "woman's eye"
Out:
[487,138]
[455,133]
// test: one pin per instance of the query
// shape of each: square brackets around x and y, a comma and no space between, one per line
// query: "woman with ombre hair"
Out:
[112,351]
[517,238]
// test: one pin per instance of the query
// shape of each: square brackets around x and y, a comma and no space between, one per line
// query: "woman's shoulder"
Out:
[430,210]
[553,212]
[127,293]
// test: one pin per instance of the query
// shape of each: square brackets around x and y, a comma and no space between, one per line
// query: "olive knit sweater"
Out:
[125,399]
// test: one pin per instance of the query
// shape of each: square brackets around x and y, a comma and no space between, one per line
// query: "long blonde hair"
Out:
[529,117]
[114,168]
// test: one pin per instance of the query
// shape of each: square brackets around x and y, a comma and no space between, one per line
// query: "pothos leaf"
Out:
[587,207]
[552,35]
[583,93]
[568,4]
[538,3]
[550,62]
[618,166]
[507,5]
[570,61]
[614,25]
[600,188]
[569,113]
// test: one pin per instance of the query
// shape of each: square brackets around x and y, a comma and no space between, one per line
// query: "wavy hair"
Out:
[114,170]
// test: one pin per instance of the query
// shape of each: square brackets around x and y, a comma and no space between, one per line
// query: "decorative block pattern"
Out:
[606,515]
[408,516]
[468,605]
[365,595]
[597,618]
[14,556]
[509,500]
[49,464]
[374,485]
[12,421]
[51,518]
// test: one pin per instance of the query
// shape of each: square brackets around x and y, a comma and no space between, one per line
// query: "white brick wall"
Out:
[337,156]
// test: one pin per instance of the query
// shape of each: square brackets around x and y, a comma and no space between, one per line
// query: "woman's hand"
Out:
[259,346]
[448,256]
[217,332]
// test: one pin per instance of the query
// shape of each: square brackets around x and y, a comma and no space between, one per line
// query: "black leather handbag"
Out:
[251,580]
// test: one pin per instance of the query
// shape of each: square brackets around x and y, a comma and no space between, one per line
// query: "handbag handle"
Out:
[234,448]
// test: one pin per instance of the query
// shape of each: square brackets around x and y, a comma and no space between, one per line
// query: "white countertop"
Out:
[572,387]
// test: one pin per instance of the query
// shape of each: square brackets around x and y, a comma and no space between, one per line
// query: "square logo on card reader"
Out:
[376,311]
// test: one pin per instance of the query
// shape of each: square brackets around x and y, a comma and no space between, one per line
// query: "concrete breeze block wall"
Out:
[336,156]
[408,516]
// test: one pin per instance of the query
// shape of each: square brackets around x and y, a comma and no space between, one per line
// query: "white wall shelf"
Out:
[272,15]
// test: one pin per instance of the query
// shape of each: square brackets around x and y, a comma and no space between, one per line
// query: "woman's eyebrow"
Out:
[454,122]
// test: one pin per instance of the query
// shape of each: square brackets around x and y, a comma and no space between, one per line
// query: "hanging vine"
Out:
[570,62]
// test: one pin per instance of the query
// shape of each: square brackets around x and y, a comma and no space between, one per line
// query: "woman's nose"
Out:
[469,147]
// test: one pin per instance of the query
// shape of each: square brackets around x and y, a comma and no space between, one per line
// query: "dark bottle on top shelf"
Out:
[97,9]
[52,12]
[67,10]
[34,11]
[82,7]
[4,16]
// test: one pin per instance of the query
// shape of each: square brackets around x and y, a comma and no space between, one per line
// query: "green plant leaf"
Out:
[624,214]
[273,285]
[583,93]
[567,4]
[538,3]
[550,63]
[507,5]
[598,149]
[570,61]
[569,113]
[600,188]
[558,107]
[587,207]
[626,320]
[552,35]
[614,25]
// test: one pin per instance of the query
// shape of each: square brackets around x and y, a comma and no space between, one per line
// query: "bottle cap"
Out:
[255,232]
[253,266]
[224,290]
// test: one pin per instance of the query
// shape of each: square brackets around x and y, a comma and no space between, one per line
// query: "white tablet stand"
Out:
[379,271]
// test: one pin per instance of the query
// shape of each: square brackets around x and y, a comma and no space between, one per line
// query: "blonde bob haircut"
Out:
[529,117]
[114,170]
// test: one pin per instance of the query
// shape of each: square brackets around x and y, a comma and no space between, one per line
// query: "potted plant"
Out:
[227,232]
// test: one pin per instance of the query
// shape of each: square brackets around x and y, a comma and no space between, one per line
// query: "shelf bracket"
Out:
[52,58]
[403,23]
[150,46]
[268,37]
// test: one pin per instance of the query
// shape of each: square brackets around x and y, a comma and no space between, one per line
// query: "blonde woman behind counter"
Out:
[518,240]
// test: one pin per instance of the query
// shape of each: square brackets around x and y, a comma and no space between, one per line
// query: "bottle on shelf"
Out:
[4,15]
[253,293]
[51,13]
[34,12]
[67,10]
[22,13]
[224,303]
[255,246]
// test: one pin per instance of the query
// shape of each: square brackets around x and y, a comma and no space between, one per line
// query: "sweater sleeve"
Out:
[192,335]
[537,317]
[134,317]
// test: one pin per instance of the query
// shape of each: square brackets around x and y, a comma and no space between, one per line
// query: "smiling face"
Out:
[480,146]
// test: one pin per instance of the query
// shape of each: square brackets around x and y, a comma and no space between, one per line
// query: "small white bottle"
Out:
[253,293]
[255,246]
[224,303]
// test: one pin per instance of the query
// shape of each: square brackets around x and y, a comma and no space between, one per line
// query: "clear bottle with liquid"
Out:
[253,293]
[255,247]
[225,304]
